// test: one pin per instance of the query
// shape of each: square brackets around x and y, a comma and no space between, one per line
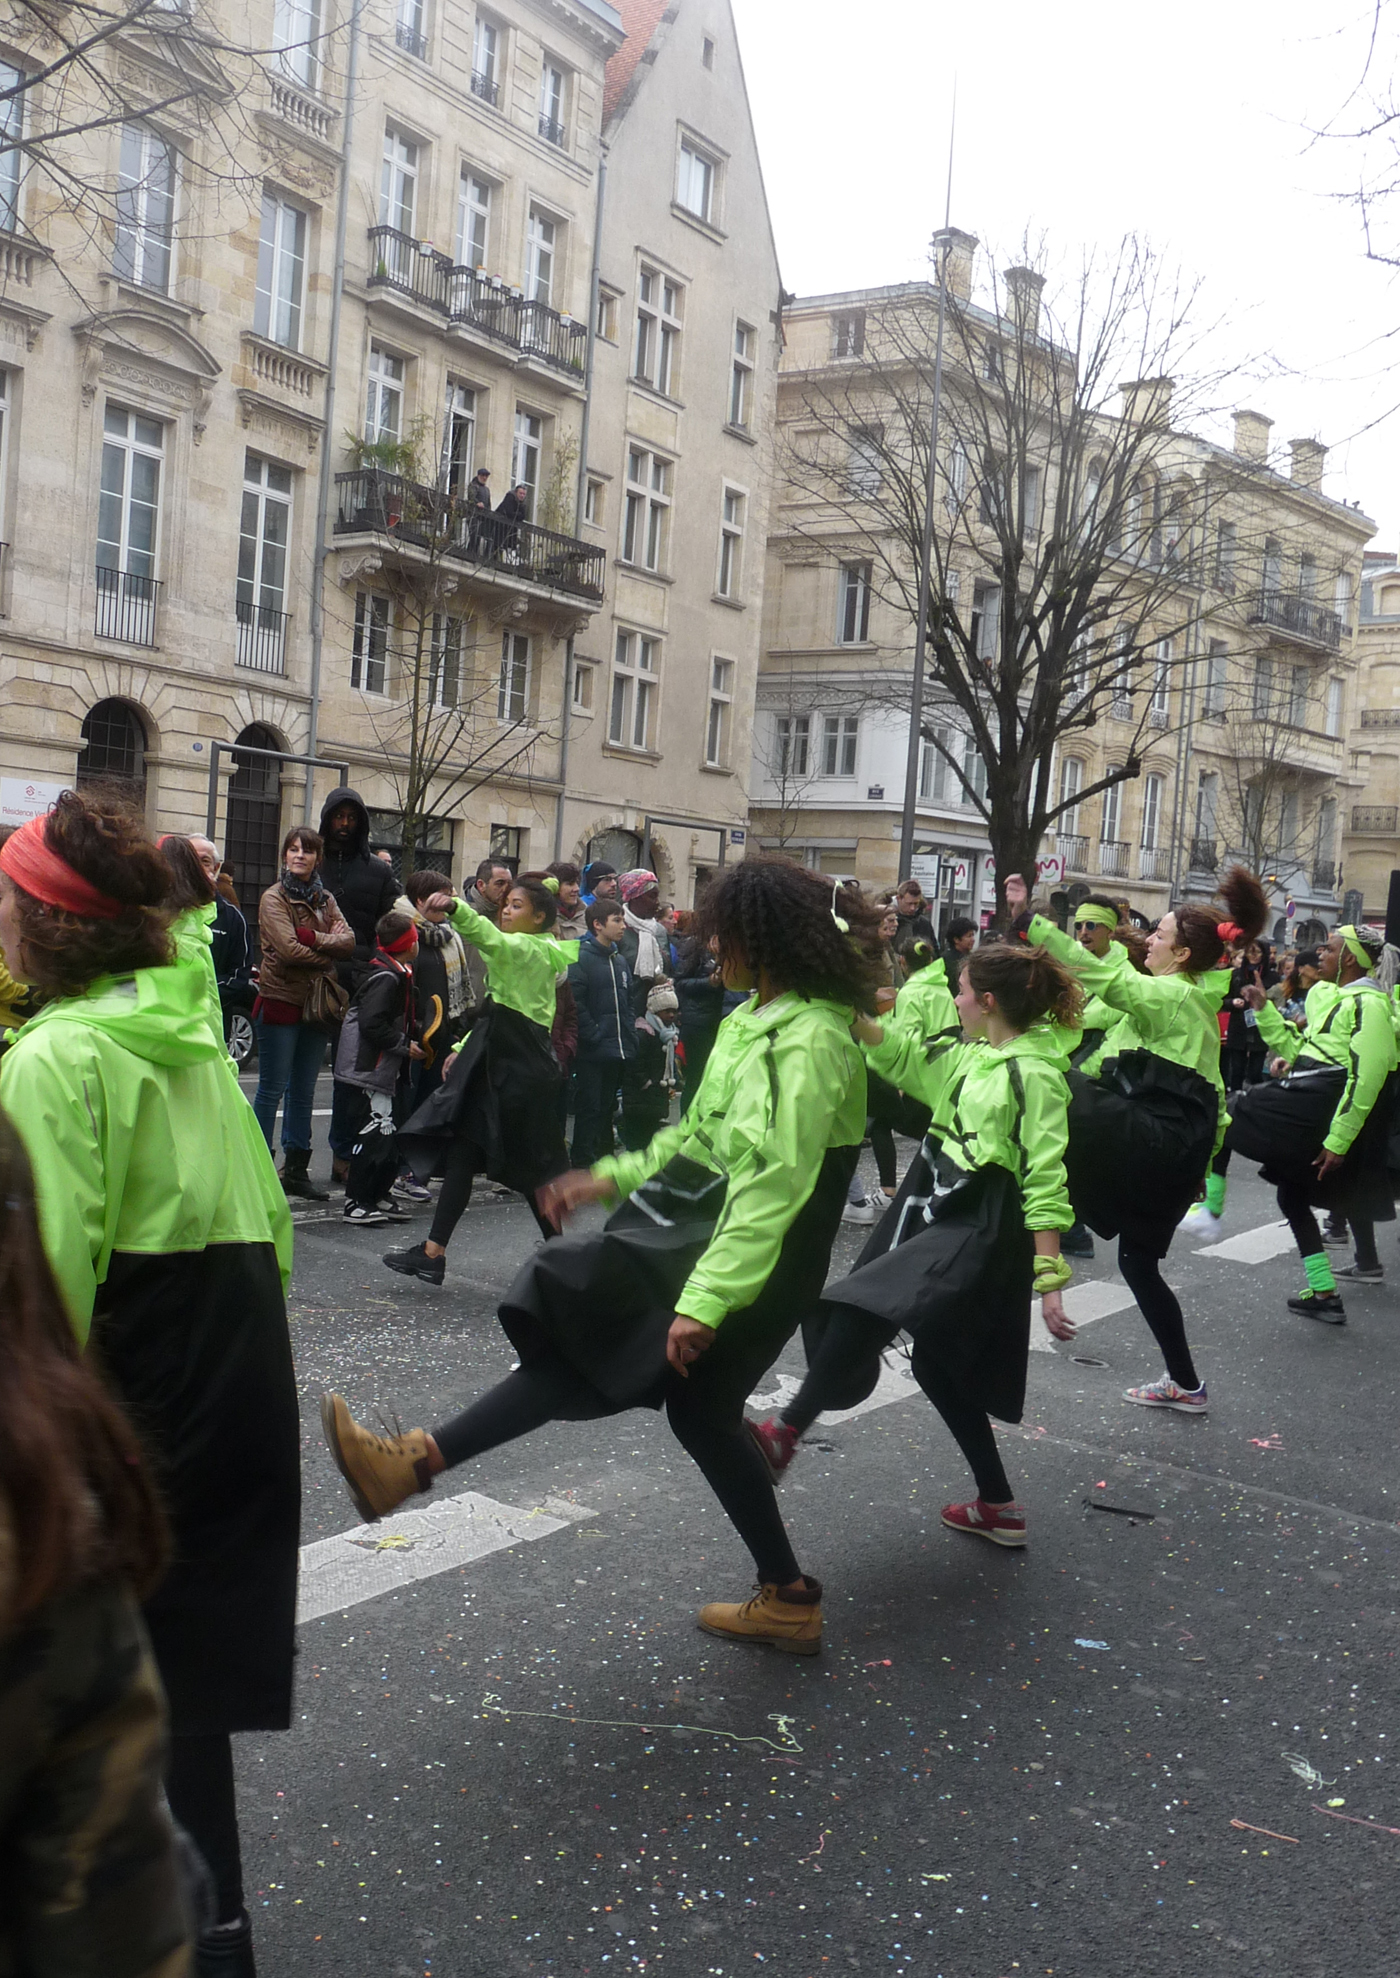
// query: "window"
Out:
[1299,680]
[526,450]
[1207,808]
[369,656]
[707,53]
[1307,576]
[957,477]
[636,661]
[473,219]
[840,733]
[445,661]
[128,514]
[264,533]
[1341,598]
[695,182]
[659,305]
[281,272]
[11,132]
[741,377]
[848,334]
[1112,813]
[933,769]
[1151,812]
[993,369]
[398,182]
[1159,702]
[1334,706]
[792,757]
[1263,689]
[605,322]
[593,502]
[540,236]
[646,510]
[1226,542]
[296,28]
[552,104]
[507,843]
[1326,828]
[1216,663]
[1273,567]
[459,436]
[582,698]
[984,628]
[1071,783]
[973,788]
[863,451]
[410,28]
[384,395]
[853,604]
[1030,501]
[145,207]
[513,694]
[116,747]
[486,54]
[731,544]
[721,713]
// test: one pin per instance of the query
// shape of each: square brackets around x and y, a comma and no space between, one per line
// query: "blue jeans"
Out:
[289,1057]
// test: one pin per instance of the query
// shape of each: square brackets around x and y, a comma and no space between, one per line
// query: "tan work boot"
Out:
[381,1470]
[775,1618]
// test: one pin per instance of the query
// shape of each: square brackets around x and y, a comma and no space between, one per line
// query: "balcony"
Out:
[262,637]
[302,109]
[486,87]
[373,502]
[1155,863]
[551,132]
[1120,708]
[126,607]
[1324,875]
[1075,849]
[1380,717]
[1302,619]
[475,301]
[1113,858]
[411,41]
[1205,855]
[1374,820]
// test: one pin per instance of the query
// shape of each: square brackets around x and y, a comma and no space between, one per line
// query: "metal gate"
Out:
[253,837]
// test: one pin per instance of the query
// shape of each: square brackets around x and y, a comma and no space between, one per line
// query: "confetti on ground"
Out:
[1266,1442]
[1083,1641]
[788,1741]
[1352,1821]
[1245,1827]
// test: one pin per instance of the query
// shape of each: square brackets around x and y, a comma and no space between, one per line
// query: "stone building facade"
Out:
[1371,841]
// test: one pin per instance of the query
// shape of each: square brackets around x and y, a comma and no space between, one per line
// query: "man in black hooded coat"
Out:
[364,889]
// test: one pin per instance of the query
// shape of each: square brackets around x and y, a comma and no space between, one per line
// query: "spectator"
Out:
[959,940]
[700,994]
[486,895]
[441,981]
[228,933]
[1300,978]
[914,921]
[303,934]
[378,1043]
[365,890]
[1243,1050]
[644,947]
[87,1855]
[570,925]
[476,500]
[599,882]
[607,1033]
[512,509]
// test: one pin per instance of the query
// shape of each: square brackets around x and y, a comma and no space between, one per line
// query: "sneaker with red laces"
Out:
[1003,1524]
[1165,1393]
[775,1442]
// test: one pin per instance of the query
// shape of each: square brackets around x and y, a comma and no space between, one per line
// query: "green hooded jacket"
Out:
[924,1006]
[783,1084]
[1099,1015]
[995,1105]
[191,934]
[523,968]
[1318,1042]
[139,1139]
[1360,1021]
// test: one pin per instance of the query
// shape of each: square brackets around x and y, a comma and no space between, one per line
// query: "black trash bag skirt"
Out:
[196,1348]
[499,1093]
[1283,1123]
[603,1303]
[1140,1141]
[950,1263]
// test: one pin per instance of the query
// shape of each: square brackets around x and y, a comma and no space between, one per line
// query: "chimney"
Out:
[954,249]
[1147,401]
[1309,459]
[1252,436]
[1023,286]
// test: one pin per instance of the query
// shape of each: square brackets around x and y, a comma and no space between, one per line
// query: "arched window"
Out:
[616,847]
[253,840]
[116,748]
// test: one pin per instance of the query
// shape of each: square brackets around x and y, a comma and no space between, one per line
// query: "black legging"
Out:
[1142,1273]
[1294,1198]
[199,1786]
[851,1337]
[456,1191]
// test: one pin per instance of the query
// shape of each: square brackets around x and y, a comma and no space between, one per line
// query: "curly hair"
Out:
[104,841]
[1028,984]
[190,884]
[1198,928]
[544,899]
[777,917]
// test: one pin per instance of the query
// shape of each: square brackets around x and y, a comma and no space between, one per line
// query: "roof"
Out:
[640,20]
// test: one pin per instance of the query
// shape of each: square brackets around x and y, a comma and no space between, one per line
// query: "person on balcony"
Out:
[476,499]
[513,509]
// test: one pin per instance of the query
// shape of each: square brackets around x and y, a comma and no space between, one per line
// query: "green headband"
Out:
[1101,916]
[1353,942]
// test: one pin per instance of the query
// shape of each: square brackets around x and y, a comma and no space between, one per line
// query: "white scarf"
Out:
[650,960]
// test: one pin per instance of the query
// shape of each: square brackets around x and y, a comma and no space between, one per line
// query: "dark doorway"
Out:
[616,847]
[253,838]
[115,756]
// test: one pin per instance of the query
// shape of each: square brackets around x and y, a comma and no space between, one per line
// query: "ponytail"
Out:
[1202,932]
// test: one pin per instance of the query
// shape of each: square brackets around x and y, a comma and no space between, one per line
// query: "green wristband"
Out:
[1052,1274]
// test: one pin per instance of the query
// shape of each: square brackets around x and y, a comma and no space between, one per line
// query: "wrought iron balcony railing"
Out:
[551,132]
[1302,618]
[411,41]
[1075,847]
[1155,862]
[126,606]
[475,301]
[262,637]
[1374,820]
[1113,858]
[486,87]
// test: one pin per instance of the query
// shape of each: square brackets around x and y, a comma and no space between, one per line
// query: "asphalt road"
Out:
[529,1760]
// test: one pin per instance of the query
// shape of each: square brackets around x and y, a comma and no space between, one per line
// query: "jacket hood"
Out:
[787,1008]
[359,844]
[1214,985]
[159,1014]
[1047,1041]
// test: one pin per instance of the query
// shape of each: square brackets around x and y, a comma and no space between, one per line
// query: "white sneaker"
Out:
[1200,1221]
[859,1212]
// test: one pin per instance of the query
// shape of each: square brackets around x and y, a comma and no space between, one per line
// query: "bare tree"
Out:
[1264,815]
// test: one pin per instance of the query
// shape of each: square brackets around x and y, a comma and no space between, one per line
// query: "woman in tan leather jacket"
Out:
[303,933]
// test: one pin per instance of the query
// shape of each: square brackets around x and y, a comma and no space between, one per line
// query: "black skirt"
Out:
[1140,1141]
[950,1263]
[499,1094]
[603,1304]
[197,1349]
[1283,1123]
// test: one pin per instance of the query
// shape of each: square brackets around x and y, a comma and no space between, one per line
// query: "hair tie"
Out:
[1052,1274]
[1228,931]
[550,883]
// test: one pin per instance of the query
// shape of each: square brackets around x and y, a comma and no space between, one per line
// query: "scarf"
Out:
[650,936]
[309,891]
[444,940]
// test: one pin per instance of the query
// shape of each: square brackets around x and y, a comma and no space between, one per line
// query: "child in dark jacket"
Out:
[378,1045]
[607,1030]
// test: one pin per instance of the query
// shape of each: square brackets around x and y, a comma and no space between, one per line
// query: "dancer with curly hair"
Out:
[721,1241]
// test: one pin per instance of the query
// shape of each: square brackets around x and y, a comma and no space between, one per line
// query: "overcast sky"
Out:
[1083,121]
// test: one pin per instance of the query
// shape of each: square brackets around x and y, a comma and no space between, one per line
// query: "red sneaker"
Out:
[1003,1524]
[775,1442]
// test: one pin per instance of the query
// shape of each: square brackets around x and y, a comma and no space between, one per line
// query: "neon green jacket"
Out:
[1318,1041]
[523,968]
[190,932]
[996,1105]
[1361,1020]
[139,1139]
[1098,1015]
[924,1006]
[783,1085]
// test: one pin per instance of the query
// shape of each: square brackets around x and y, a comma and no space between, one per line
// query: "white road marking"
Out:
[1253,1246]
[369,1560]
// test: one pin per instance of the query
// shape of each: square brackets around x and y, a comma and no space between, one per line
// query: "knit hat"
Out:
[636,882]
[597,869]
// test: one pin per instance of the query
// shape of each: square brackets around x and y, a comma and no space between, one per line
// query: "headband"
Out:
[1100,916]
[1349,935]
[401,944]
[25,857]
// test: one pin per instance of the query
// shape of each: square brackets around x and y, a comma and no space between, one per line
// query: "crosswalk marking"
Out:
[1252,1246]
